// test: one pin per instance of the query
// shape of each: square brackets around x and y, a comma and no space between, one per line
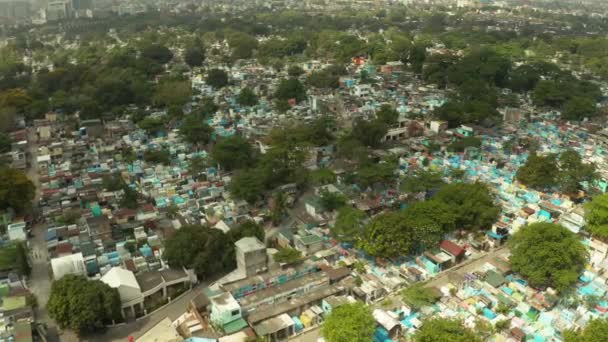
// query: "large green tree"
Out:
[290,88]
[349,224]
[83,305]
[595,331]
[387,235]
[539,172]
[195,130]
[548,254]
[233,153]
[217,78]
[442,329]
[16,190]
[472,204]
[247,97]
[349,323]
[596,215]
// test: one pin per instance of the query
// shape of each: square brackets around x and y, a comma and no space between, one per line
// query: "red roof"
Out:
[451,248]
[64,248]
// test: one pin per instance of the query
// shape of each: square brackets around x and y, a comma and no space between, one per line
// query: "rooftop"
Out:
[267,311]
[248,244]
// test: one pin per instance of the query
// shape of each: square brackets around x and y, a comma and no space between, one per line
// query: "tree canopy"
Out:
[290,88]
[208,251]
[195,130]
[596,216]
[233,153]
[547,254]
[472,204]
[565,172]
[418,296]
[247,97]
[349,224]
[83,305]
[16,190]
[442,329]
[217,78]
[595,331]
[349,322]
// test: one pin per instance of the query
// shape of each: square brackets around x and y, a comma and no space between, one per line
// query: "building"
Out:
[69,264]
[251,257]
[16,231]
[57,10]
[128,288]
[226,313]
[14,9]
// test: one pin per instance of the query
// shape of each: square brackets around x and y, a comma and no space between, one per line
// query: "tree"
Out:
[247,97]
[595,331]
[442,329]
[596,216]
[83,305]
[217,78]
[208,251]
[349,224]
[290,88]
[387,235]
[387,115]
[197,165]
[461,144]
[248,185]
[278,209]
[195,130]
[573,172]
[5,143]
[16,190]
[248,228]
[422,181]
[548,255]
[172,93]
[323,79]
[369,133]
[322,176]
[431,220]
[160,156]
[158,53]
[294,71]
[331,201]
[566,172]
[233,153]
[287,256]
[418,296]
[472,204]
[21,259]
[351,322]
[579,108]
[194,56]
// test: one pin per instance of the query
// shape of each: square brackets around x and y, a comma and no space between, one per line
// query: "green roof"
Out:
[494,278]
[235,326]
[13,303]
[310,239]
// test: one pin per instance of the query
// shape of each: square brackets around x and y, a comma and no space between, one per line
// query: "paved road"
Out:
[173,310]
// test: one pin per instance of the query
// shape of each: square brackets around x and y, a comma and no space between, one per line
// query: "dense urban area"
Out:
[307,171]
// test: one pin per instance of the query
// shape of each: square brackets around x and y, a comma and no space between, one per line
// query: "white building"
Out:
[128,288]
[16,231]
[69,264]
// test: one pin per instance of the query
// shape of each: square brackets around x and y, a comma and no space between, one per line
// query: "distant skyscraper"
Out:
[57,10]
[14,9]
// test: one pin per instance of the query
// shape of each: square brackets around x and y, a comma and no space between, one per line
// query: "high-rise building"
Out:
[14,9]
[57,10]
